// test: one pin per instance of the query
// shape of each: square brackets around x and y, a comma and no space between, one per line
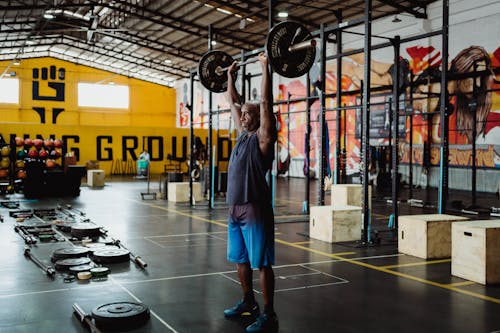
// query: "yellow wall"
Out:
[151,113]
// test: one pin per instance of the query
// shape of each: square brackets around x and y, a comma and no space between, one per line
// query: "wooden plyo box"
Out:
[335,223]
[179,192]
[475,254]
[95,178]
[349,195]
[426,236]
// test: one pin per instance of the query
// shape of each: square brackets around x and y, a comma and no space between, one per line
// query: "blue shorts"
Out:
[251,235]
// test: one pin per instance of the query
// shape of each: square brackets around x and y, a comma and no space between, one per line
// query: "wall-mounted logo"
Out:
[53,78]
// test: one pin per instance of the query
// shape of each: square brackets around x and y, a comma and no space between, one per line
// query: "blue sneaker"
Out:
[264,323]
[242,309]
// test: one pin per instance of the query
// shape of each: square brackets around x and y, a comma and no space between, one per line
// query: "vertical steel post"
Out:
[444,126]
[191,136]
[209,143]
[395,130]
[365,142]
[322,120]
[336,173]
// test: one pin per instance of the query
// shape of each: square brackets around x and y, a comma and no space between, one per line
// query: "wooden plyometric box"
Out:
[179,192]
[475,254]
[95,178]
[426,236]
[335,223]
[349,195]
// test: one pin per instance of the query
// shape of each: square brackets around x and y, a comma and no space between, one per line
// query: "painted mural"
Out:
[421,86]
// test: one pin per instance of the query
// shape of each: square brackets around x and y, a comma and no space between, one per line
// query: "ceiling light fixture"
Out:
[214,42]
[16,62]
[48,16]
[283,14]
[168,61]
[396,19]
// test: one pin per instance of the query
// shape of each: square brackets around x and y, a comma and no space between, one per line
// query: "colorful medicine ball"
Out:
[21,154]
[21,174]
[48,143]
[4,173]
[28,142]
[19,141]
[38,143]
[20,164]
[50,164]
[33,153]
[4,162]
[5,150]
[58,143]
[43,154]
[55,154]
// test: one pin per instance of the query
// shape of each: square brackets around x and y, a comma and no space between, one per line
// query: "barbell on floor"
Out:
[290,49]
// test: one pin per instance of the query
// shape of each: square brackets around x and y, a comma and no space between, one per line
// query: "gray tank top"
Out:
[246,180]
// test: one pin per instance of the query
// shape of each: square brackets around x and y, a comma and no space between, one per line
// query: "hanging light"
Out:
[396,19]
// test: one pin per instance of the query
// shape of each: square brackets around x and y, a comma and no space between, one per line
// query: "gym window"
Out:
[103,95]
[9,90]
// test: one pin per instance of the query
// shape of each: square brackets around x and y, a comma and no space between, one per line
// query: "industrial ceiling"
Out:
[162,40]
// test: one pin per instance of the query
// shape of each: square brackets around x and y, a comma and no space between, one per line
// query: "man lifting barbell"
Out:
[251,217]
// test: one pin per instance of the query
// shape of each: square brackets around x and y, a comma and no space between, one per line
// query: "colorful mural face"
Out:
[421,96]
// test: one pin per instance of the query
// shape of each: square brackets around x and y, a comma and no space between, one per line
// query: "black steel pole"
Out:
[410,158]
[308,143]
[191,137]
[336,173]
[288,123]
[322,120]
[365,142]
[444,126]
[474,134]
[209,143]
[395,131]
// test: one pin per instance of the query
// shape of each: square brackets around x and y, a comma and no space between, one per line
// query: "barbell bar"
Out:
[290,49]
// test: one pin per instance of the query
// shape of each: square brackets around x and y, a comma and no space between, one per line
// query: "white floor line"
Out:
[202,275]
[138,300]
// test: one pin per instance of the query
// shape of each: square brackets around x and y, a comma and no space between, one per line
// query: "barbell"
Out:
[290,49]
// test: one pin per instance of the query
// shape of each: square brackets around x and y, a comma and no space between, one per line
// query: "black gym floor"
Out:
[320,287]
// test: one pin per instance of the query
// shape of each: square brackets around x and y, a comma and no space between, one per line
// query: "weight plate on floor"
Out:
[70,252]
[81,268]
[65,264]
[111,256]
[99,272]
[82,230]
[285,62]
[35,225]
[102,247]
[63,225]
[120,315]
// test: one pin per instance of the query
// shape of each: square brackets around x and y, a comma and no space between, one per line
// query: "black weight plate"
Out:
[100,247]
[70,252]
[111,256]
[120,315]
[286,63]
[82,230]
[207,70]
[100,271]
[65,264]
[34,224]
[63,225]
[81,268]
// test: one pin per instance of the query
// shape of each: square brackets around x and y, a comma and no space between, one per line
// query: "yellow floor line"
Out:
[388,271]
[421,263]
[458,284]
[301,243]
[354,262]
